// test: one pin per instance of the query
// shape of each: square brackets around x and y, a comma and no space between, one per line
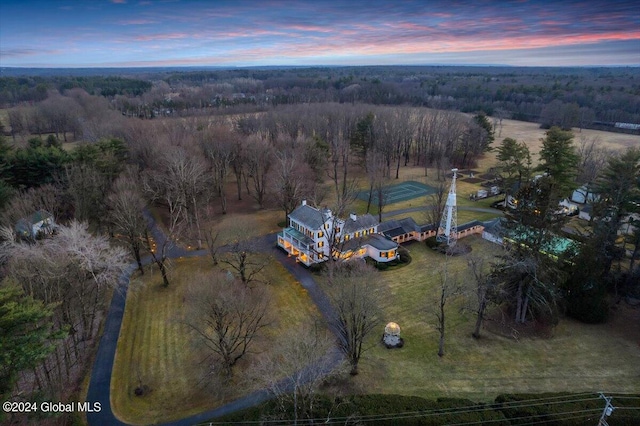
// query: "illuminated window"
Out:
[346,237]
[326,226]
[320,234]
[357,234]
[320,255]
[371,230]
[383,254]
[321,244]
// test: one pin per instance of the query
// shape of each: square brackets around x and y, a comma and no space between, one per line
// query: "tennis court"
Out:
[399,192]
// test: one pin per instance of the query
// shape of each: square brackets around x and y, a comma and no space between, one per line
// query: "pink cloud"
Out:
[169,36]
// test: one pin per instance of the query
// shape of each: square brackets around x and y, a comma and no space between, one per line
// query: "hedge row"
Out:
[555,409]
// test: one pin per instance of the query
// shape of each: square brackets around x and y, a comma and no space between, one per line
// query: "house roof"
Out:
[299,236]
[469,225]
[392,233]
[309,216]
[364,221]
[427,227]
[393,228]
[24,225]
[380,242]
[494,227]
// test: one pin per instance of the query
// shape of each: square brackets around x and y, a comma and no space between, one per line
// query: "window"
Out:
[337,229]
[371,230]
[346,237]
[326,226]
[321,244]
[320,255]
[357,234]
[320,234]
[383,254]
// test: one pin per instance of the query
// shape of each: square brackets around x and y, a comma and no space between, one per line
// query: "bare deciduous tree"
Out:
[449,288]
[483,287]
[126,204]
[226,317]
[435,204]
[291,180]
[219,146]
[295,369]
[242,255]
[356,305]
[259,159]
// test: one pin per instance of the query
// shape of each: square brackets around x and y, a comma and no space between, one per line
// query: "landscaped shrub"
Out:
[508,409]
[431,242]
[403,255]
[590,307]
[317,268]
[382,266]
[524,409]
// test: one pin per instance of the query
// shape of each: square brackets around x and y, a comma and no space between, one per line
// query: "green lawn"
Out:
[153,346]
[576,358]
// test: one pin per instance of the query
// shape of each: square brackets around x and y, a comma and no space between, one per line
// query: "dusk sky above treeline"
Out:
[170,33]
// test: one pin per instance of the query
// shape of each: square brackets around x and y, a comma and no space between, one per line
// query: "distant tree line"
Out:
[564,97]
[14,90]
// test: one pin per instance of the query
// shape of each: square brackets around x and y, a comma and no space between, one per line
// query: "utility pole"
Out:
[606,412]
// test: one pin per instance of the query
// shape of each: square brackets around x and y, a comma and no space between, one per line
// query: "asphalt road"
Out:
[100,382]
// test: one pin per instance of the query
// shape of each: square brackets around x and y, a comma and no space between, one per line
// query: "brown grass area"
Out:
[532,134]
[155,350]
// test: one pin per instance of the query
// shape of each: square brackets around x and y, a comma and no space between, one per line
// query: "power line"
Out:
[443,411]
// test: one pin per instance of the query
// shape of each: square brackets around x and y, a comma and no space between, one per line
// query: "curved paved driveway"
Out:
[100,382]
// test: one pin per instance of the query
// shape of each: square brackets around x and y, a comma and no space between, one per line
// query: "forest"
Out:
[139,171]
[566,97]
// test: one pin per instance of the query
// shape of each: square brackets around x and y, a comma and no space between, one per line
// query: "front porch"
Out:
[297,244]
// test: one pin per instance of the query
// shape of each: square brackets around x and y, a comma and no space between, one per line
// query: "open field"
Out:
[154,349]
[531,134]
[578,357]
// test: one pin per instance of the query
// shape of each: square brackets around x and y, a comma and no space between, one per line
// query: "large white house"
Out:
[315,235]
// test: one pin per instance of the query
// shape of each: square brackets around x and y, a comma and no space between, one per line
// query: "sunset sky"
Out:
[145,33]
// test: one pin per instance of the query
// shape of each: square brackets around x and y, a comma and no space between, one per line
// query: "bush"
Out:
[382,266]
[405,258]
[508,409]
[317,268]
[431,242]
[590,307]
[554,412]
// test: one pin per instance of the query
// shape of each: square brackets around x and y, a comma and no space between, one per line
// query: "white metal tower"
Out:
[448,230]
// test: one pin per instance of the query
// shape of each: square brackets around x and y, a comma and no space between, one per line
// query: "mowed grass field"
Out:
[155,350]
[577,357]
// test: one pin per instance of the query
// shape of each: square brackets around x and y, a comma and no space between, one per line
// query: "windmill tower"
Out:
[448,230]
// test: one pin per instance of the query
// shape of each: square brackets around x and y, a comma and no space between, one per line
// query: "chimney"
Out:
[353,216]
[304,202]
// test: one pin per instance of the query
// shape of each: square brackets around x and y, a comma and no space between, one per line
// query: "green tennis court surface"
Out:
[399,192]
